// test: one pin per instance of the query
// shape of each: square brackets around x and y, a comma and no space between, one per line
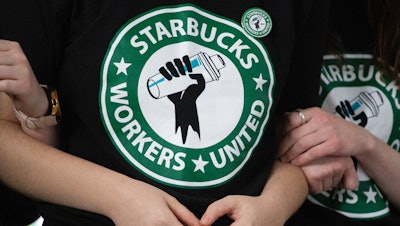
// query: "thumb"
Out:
[182,213]
[216,210]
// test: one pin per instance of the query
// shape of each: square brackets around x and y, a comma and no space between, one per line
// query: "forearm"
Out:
[286,188]
[44,173]
[381,163]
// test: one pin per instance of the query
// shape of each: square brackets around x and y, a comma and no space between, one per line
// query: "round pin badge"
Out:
[257,22]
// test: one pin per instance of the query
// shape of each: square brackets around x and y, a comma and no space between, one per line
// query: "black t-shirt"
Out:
[15,208]
[350,21]
[255,60]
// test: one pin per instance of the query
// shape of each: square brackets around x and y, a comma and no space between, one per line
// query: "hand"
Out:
[185,101]
[143,204]
[330,172]
[323,134]
[18,80]
[243,210]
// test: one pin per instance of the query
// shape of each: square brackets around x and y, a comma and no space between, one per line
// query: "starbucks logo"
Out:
[357,92]
[257,22]
[185,95]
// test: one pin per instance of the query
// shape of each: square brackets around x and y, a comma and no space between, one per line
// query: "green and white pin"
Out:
[257,22]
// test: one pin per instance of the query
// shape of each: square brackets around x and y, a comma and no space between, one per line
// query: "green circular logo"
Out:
[185,95]
[354,89]
[257,22]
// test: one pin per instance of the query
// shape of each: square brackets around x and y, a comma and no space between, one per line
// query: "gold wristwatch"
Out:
[52,118]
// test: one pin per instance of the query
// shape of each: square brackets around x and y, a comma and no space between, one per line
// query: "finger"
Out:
[340,111]
[313,177]
[302,116]
[172,69]
[289,139]
[6,71]
[336,180]
[165,73]
[6,45]
[349,108]
[319,174]
[4,86]
[327,183]
[283,131]
[16,86]
[350,179]
[12,56]
[300,141]
[292,121]
[14,72]
[344,109]
[8,57]
[187,62]
[322,142]
[332,180]
[293,128]
[184,215]
[318,147]
[11,87]
[315,186]
[179,65]
[217,210]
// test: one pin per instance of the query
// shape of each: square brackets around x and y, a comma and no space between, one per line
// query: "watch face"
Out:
[55,105]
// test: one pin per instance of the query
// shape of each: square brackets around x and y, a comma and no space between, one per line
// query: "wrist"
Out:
[45,103]
[35,105]
[281,212]
[50,112]
[124,189]
[286,190]
[370,144]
